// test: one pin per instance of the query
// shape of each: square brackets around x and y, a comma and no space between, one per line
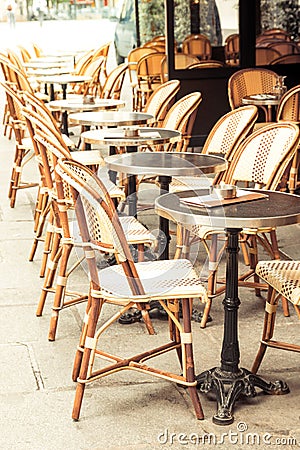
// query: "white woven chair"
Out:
[283,279]
[260,161]
[127,284]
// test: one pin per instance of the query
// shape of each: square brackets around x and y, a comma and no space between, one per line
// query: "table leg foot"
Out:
[229,386]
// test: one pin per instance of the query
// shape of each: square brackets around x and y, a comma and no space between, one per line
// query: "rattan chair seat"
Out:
[283,276]
[161,279]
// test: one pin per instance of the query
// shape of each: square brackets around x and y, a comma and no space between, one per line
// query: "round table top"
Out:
[276,209]
[44,72]
[65,79]
[110,118]
[44,64]
[261,100]
[78,104]
[166,163]
[116,137]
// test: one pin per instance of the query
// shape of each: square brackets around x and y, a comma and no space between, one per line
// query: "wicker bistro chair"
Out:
[63,243]
[132,59]
[181,60]
[249,82]
[265,55]
[260,160]
[282,278]
[24,150]
[127,284]
[148,74]
[289,110]
[112,87]
[223,140]
[198,45]
[160,101]
[232,49]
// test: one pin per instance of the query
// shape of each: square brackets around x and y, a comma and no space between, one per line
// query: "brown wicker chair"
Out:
[265,55]
[198,45]
[132,59]
[160,101]
[249,82]
[148,74]
[127,284]
[182,61]
[282,278]
[289,110]
[232,49]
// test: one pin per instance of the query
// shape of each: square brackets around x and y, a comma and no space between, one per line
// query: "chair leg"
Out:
[91,330]
[268,328]
[189,359]
[51,271]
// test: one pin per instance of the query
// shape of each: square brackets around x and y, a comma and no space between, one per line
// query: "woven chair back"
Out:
[161,99]
[249,82]
[181,117]
[263,157]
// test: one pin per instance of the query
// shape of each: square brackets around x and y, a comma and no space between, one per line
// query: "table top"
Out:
[166,163]
[78,104]
[117,137]
[44,72]
[110,118]
[277,209]
[65,79]
[45,64]
[261,100]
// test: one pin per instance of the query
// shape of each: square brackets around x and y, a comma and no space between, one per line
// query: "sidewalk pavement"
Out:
[125,410]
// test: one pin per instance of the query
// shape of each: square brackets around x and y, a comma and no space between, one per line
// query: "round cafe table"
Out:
[78,105]
[63,80]
[165,165]
[266,101]
[110,118]
[229,381]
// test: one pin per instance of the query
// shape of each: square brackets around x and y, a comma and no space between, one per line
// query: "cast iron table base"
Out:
[229,381]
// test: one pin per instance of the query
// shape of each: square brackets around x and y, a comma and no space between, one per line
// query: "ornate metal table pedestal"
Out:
[228,381]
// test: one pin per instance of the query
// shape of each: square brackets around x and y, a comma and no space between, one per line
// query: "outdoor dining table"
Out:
[274,209]
[107,119]
[165,165]
[63,80]
[78,104]
[267,101]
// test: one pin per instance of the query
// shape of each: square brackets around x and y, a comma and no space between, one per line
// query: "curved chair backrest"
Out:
[161,99]
[113,85]
[83,61]
[285,47]
[232,48]
[265,55]
[197,44]
[207,64]
[263,157]
[276,33]
[230,130]
[287,59]
[289,105]
[26,56]
[133,57]
[37,50]
[181,60]
[13,74]
[97,218]
[102,52]
[181,117]
[249,82]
